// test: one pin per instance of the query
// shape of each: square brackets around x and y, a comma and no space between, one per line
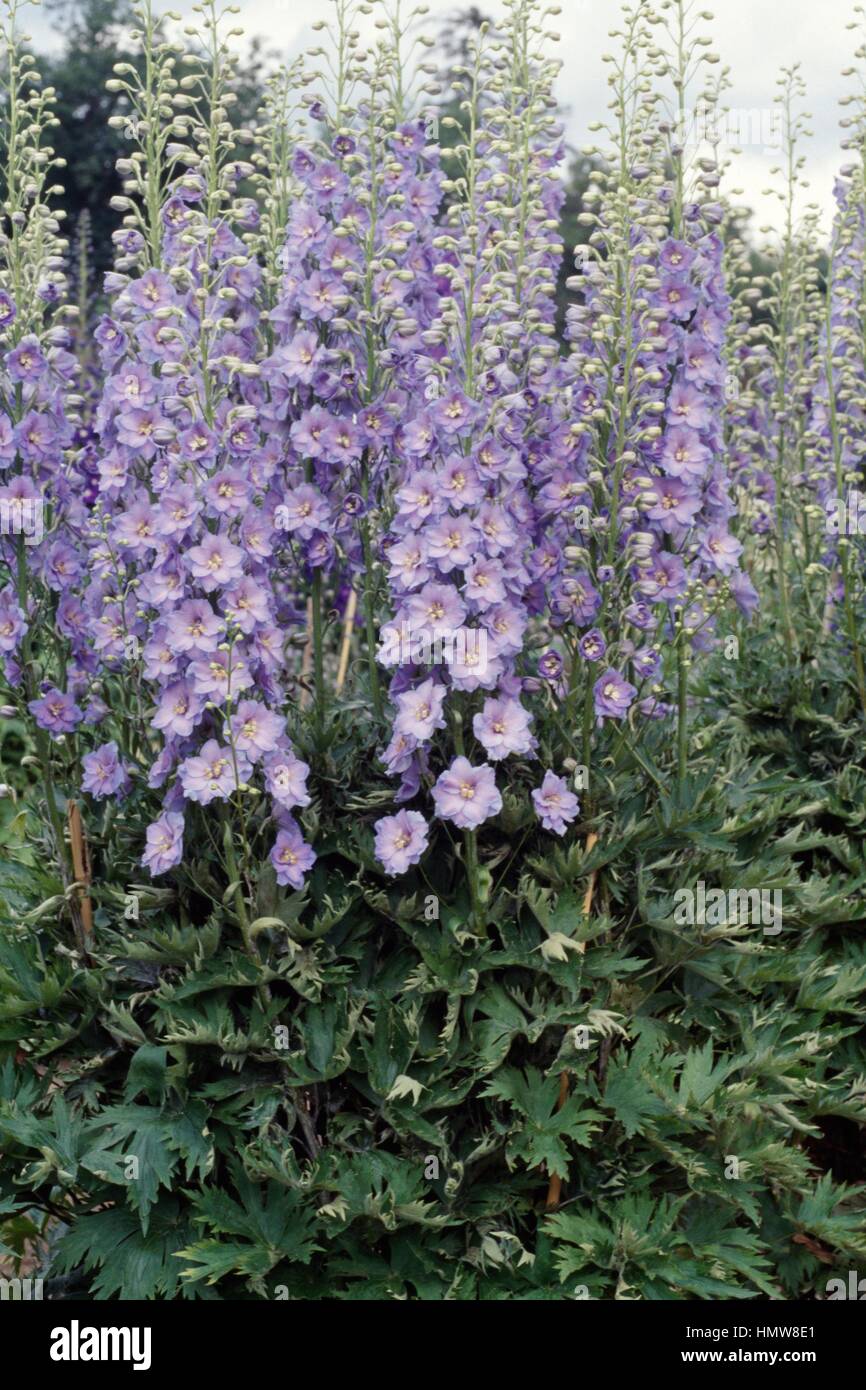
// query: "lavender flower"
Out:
[164,844]
[211,774]
[613,695]
[291,857]
[555,806]
[104,773]
[503,727]
[467,795]
[57,712]
[400,840]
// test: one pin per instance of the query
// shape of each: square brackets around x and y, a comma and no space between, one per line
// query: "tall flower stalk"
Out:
[463,564]
[38,493]
[657,556]
[184,595]
[836,448]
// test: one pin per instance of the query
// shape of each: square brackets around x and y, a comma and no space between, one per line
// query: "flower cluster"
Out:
[467,553]
[43,495]
[186,594]
[655,555]
[775,365]
[835,444]
[327,434]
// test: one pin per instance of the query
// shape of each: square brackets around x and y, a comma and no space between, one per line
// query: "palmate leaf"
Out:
[541,1140]
[8,1209]
[266,1226]
[148,1136]
[147,1074]
[700,1078]
[324,1051]
[389,1052]
[61,1144]
[626,1092]
[665,1249]
[212,1260]
[493,1034]
[174,945]
[380,1187]
[19,1085]
[127,1262]
[834,1214]
[25,880]
[189,1137]
[711,1237]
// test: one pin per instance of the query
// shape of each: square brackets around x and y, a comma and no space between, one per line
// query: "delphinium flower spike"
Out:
[41,503]
[836,442]
[777,367]
[466,574]
[649,369]
[192,476]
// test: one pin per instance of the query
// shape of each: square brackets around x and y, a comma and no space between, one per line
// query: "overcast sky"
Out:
[754,37]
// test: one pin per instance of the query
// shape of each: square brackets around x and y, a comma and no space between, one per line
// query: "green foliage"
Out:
[383,1120]
[357,1095]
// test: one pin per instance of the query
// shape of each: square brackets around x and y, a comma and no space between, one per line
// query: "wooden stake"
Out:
[348,626]
[591,842]
[554,1187]
[81,869]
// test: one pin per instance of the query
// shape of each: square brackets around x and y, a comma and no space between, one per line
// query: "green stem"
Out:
[318,635]
[587,741]
[781,558]
[370,620]
[844,550]
[240,904]
[682,714]
[318,652]
[43,743]
[478,918]
[235,878]
[43,752]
